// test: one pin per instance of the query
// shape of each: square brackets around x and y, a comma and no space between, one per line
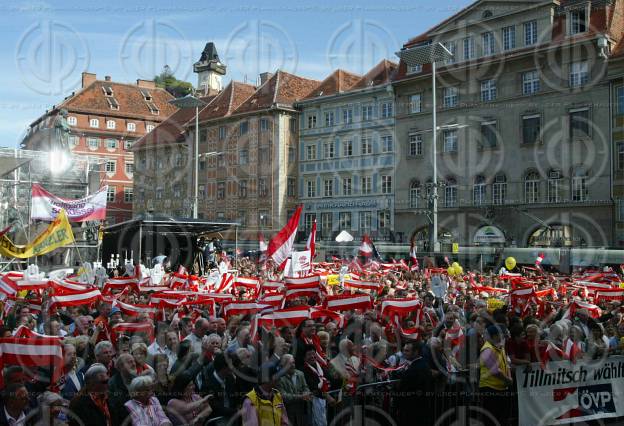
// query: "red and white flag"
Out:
[413,258]
[46,206]
[366,247]
[280,246]
[348,302]
[539,260]
[311,244]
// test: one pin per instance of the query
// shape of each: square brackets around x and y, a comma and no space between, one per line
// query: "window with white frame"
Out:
[367,112]
[469,48]
[530,33]
[530,82]
[365,219]
[262,187]
[578,20]
[94,122]
[177,190]
[554,186]
[387,143]
[450,193]
[414,195]
[450,140]
[327,224]
[383,219]
[131,127]
[311,188]
[499,189]
[111,144]
[308,220]
[509,37]
[149,127]
[222,132]
[110,194]
[531,128]
[328,188]
[451,46]
[344,219]
[479,191]
[264,124]
[128,144]
[311,152]
[329,119]
[367,185]
[243,156]
[488,90]
[415,145]
[347,148]
[292,154]
[159,193]
[128,195]
[243,127]
[579,185]
[386,109]
[488,43]
[220,190]
[329,149]
[111,166]
[291,187]
[579,123]
[579,74]
[386,184]
[347,186]
[311,121]
[414,69]
[72,121]
[489,134]
[415,103]
[367,145]
[532,187]
[129,167]
[73,140]
[242,188]
[450,97]
[111,124]
[347,115]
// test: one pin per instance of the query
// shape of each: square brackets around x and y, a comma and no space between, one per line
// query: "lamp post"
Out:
[190,101]
[420,55]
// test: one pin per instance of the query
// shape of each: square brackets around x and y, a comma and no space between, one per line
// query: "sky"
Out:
[48,44]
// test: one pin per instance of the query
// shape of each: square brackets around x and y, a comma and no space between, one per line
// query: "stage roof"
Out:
[170,225]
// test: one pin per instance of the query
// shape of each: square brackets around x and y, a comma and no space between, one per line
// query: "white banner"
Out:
[569,393]
[301,261]
[45,206]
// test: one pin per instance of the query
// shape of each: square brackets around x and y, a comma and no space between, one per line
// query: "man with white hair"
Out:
[346,366]
[90,406]
[144,408]
[294,389]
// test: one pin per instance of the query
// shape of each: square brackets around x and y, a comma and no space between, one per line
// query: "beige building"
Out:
[523,147]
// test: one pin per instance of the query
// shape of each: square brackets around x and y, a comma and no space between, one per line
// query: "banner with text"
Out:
[57,234]
[45,206]
[563,392]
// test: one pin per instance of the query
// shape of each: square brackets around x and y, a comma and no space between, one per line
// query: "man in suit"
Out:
[15,402]
[90,405]
[73,380]
[415,387]
[295,392]
[118,393]
[220,382]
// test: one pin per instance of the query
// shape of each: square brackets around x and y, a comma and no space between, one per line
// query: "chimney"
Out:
[87,79]
[264,77]
[107,78]
[146,84]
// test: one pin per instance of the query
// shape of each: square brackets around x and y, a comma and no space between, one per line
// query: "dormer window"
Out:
[414,69]
[146,95]
[94,122]
[110,124]
[112,103]
[72,121]
[578,19]
[108,90]
[153,108]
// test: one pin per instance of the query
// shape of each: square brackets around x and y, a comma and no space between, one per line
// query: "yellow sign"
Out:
[334,279]
[621,285]
[57,234]
[455,248]
[494,304]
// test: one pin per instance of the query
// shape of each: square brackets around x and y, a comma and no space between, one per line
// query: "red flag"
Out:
[539,260]
[280,246]
[262,246]
[413,258]
[311,244]
[366,247]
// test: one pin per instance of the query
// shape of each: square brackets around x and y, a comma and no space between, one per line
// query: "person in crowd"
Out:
[118,393]
[186,407]
[243,340]
[263,405]
[90,406]
[318,383]
[104,353]
[222,384]
[345,367]
[185,328]
[416,386]
[14,405]
[162,380]
[52,410]
[144,407]
[159,346]
[139,353]
[495,379]
[199,331]
[74,379]
[294,389]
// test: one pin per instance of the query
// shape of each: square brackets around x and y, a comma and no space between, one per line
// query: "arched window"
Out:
[414,194]
[450,192]
[479,191]
[554,186]
[499,189]
[532,187]
[579,185]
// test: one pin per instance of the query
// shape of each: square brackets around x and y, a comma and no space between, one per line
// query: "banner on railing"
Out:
[46,206]
[564,392]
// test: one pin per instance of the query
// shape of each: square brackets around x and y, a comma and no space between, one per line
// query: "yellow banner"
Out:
[455,248]
[494,304]
[57,234]
[334,279]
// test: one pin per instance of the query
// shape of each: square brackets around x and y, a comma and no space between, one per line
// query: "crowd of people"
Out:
[195,364]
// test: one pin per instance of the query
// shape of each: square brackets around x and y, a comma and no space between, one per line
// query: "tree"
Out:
[167,81]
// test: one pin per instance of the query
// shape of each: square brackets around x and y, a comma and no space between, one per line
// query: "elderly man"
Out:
[294,389]
[199,331]
[118,393]
[345,366]
[15,402]
[211,345]
[90,405]
[74,380]
[104,353]
[144,408]
[243,340]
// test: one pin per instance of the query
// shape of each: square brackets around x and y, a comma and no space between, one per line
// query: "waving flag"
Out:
[280,246]
[539,260]
[311,244]
[413,258]
[366,247]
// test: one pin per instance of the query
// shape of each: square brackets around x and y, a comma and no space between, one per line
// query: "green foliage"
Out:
[167,81]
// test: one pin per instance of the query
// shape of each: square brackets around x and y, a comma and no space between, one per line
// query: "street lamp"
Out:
[420,55]
[190,101]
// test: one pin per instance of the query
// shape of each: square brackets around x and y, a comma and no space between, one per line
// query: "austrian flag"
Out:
[280,246]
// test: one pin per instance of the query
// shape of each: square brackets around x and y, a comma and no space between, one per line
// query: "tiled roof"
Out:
[171,130]
[282,88]
[339,81]
[227,101]
[381,73]
[91,100]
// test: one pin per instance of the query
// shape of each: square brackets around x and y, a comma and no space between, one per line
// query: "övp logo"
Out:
[586,400]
